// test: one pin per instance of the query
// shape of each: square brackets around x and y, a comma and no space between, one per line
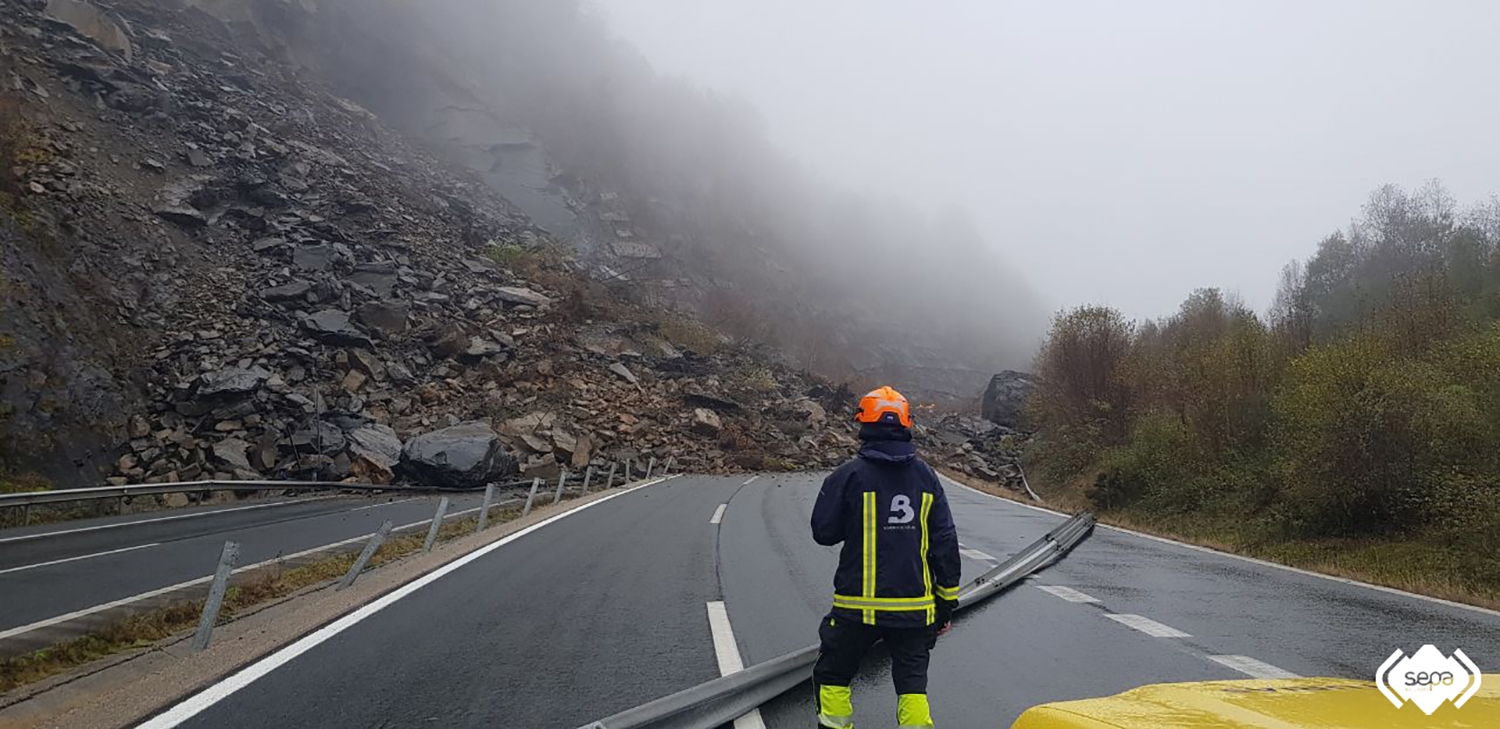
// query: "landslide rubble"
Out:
[216,268]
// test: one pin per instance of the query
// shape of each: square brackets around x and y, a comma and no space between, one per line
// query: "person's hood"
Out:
[885,443]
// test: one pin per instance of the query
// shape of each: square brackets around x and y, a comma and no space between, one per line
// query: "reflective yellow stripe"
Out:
[868,589]
[835,707]
[912,710]
[926,570]
[880,608]
[947,593]
[916,600]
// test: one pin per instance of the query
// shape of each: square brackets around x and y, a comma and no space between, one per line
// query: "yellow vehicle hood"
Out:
[1303,703]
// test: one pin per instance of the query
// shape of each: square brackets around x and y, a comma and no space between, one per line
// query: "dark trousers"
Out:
[843,642]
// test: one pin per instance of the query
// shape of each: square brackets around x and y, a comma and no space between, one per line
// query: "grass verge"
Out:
[1416,566]
[145,629]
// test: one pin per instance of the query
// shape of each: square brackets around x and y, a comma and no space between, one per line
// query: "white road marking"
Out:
[1146,625]
[153,593]
[748,480]
[1067,593]
[75,559]
[718,514]
[388,503]
[975,554]
[221,690]
[728,652]
[1241,557]
[1251,667]
[118,525]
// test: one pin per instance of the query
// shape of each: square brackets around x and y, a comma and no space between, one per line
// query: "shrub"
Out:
[1367,445]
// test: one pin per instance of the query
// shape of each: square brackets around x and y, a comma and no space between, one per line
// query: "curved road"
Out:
[606,608]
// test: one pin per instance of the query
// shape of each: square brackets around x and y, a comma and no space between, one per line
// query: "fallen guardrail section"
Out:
[722,700]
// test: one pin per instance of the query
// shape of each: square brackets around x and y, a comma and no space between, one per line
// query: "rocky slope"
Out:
[215,269]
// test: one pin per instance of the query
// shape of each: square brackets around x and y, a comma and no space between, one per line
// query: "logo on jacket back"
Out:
[1428,678]
[901,511]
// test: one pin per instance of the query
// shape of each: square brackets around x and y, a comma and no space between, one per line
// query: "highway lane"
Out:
[1032,645]
[605,609]
[596,613]
[72,567]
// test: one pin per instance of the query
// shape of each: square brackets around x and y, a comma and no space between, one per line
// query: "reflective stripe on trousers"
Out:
[835,707]
[912,711]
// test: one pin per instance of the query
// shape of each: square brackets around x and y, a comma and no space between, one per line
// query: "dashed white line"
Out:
[975,554]
[1251,667]
[202,700]
[1240,557]
[1068,593]
[118,525]
[727,650]
[169,588]
[75,559]
[388,503]
[718,514]
[1146,625]
[748,480]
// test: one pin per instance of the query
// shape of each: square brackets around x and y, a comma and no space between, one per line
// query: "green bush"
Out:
[1367,444]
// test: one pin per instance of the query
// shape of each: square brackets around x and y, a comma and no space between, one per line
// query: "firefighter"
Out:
[898,573]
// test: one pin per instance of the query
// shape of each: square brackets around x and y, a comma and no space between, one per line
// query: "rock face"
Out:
[466,455]
[265,281]
[1005,398]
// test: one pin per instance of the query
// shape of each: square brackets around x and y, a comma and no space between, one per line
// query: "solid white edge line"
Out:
[727,651]
[1252,667]
[718,514]
[1068,593]
[1147,625]
[75,559]
[54,620]
[117,525]
[1243,558]
[221,690]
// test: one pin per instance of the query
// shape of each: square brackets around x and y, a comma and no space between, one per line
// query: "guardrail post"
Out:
[227,558]
[561,479]
[484,511]
[26,515]
[376,539]
[535,484]
[667,469]
[629,469]
[437,523]
[650,467]
[609,481]
[588,475]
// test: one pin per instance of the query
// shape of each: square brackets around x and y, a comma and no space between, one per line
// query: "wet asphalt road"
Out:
[605,609]
[55,569]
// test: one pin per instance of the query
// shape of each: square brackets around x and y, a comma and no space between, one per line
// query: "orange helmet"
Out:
[884,405]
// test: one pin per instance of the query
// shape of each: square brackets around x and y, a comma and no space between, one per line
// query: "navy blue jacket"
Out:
[900,546]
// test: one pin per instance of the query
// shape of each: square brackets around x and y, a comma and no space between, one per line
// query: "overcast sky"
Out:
[1116,152]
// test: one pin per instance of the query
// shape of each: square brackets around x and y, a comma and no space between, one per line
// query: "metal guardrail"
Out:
[94,493]
[722,700]
[97,493]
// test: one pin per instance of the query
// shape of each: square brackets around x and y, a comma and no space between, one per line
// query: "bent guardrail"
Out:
[722,700]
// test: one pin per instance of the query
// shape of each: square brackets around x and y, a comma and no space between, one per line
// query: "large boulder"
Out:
[1005,398]
[467,455]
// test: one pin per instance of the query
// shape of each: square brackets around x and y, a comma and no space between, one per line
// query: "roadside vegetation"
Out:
[1354,429]
[145,629]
